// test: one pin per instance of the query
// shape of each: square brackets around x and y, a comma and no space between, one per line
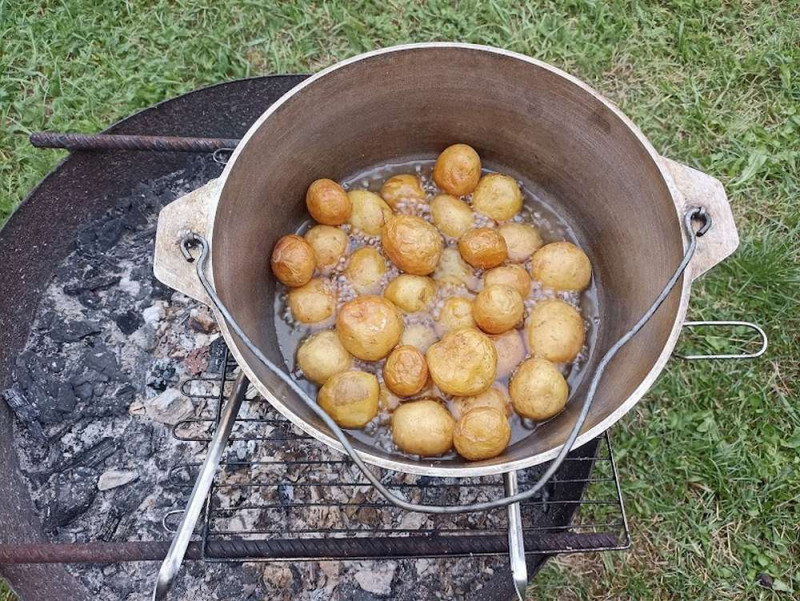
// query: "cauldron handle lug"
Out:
[699,189]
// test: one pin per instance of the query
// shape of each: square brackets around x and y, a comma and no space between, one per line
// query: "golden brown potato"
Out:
[561,266]
[369,327]
[411,293]
[555,331]
[452,216]
[521,239]
[452,269]
[483,248]
[293,261]
[328,243]
[314,302]
[365,270]
[497,196]
[456,313]
[497,308]
[481,433]
[510,351]
[463,363]
[328,202]
[387,400]
[350,398]
[370,213]
[399,188]
[423,428]
[495,397]
[405,371]
[418,335]
[457,169]
[412,244]
[509,275]
[538,390]
[322,355]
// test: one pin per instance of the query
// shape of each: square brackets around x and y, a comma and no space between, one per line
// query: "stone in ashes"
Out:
[169,407]
[115,478]
[377,579]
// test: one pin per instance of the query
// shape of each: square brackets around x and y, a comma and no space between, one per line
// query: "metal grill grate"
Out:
[280,494]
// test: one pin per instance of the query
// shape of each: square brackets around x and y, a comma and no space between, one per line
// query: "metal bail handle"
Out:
[192,240]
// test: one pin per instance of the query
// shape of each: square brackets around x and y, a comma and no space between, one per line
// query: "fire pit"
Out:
[113,385]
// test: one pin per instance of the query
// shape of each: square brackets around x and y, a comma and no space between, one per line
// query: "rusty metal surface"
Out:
[75,141]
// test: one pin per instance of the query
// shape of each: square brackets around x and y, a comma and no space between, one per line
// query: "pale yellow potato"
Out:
[456,313]
[555,331]
[509,275]
[457,169]
[495,397]
[413,244]
[400,188]
[423,428]
[322,355]
[350,398]
[328,203]
[293,261]
[387,400]
[497,196]
[463,363]
[418,335]
[369,327]
[521,239]
[405,371]
[452,269]
[510,351]
[365,270]
[497,308]
[370,213]
[483,248]
[314,302]
[328,243]
[481,433]
[538,390]
[411,293]
[452,216]
[561,266]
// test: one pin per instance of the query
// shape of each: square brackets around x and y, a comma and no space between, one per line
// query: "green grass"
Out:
[710,457]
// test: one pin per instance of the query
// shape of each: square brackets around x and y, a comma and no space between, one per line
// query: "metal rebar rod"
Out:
[72,141]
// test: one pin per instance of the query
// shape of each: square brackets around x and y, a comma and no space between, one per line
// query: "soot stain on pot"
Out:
[537,208]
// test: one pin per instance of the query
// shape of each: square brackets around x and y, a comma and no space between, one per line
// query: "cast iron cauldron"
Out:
[592,165]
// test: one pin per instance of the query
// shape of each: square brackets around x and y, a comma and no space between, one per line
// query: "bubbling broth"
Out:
[424,327]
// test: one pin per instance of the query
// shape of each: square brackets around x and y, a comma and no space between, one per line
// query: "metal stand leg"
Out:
[174,558]
[516,544]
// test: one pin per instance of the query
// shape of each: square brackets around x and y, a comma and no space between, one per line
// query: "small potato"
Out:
[329,245]
[509,275]
[322,355]
[497,309]
[400,188]
[510,351]
[561,266]
[405,371]
[369,327]
[495,397]
[456,313]
[369,213]
[521,239]
[387,400]
[314,302]
[411,293]
[463,363]
[555,331]
[497,196]
[481,433]
[350,398]
[365,270]
[293,261]
[457,169]
[328,203]
[452,216]
[412,244]
[483,248]
[423,428]
[452,269]
[538,390]
[418,335]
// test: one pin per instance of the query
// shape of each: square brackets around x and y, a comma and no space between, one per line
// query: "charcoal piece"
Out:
[73,331]
[128,322]
[93,456]
[66,399]
[74,492]
[159,291]
[27,413]
[90,300]
[110,525]
[55,365]
[93,284]
[160,374]
[100,236]
[98,388]
[82,386]
[46,320]
[216,358]
[102,360]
